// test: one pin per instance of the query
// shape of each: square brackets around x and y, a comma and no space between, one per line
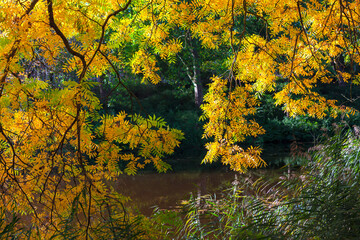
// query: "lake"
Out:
[167,190]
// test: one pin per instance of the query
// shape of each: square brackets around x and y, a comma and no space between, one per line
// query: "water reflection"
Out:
[167,190]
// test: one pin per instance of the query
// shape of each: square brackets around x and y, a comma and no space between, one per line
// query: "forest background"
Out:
[87,89]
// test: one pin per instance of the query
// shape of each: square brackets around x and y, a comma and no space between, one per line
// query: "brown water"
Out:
[168,190]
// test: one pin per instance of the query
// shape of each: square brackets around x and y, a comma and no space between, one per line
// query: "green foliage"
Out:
[321,203]
[283,129]
[175,105]
[166,222]
[7,226]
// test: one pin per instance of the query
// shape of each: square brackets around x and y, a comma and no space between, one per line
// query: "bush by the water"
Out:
[321,203]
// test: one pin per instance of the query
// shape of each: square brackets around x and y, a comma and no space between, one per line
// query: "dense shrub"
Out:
[321,203]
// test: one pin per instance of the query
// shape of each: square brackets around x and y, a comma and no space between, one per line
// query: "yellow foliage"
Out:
[57,152]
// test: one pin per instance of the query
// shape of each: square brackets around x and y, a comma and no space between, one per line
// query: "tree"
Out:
[288,61]
[297,48]
[57,150]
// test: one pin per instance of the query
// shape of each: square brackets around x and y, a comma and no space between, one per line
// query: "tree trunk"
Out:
[196,79]
[198,92]
[194,73]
